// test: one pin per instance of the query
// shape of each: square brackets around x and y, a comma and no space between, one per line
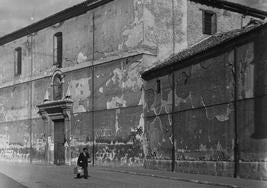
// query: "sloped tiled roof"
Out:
[203,46]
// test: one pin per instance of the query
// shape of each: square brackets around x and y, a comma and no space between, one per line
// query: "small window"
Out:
[57,49]
[209,22]
[18,59]
[158,86]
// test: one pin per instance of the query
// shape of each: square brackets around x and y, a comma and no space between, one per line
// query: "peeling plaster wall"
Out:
[119,126]
[117,138]
[204,114]
[207,83]
[210,133]
[119,26]
[39,88]
[76,50]
[12,107]
[165,25]
[118,83]
[117,111]
[118,54]
[159,138]
[201,91]
[7,60]
[81,133]
[158,123]
[79,83]
[246,66]
[199,115]
[38,140]
[16,137]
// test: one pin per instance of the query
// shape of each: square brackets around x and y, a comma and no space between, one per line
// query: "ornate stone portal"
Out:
[58,110]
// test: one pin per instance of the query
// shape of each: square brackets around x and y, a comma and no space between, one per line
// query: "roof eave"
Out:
[234,7]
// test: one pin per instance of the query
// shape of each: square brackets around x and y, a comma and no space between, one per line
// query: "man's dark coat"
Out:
[83,160]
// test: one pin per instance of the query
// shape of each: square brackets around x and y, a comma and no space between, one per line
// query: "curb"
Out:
[173,178]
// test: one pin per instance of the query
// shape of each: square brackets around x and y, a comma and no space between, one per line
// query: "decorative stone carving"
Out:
[43,114]
[66,113]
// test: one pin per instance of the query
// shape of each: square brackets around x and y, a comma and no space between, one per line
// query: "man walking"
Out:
[83,162]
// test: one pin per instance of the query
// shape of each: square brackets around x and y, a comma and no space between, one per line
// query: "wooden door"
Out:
[59,135]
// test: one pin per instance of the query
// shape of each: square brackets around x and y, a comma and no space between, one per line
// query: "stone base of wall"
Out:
[249,170]
[194,167]
[253,170]
[114,164]
[158,164]
[218,168]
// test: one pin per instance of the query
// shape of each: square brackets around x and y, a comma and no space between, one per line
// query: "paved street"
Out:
[43,176]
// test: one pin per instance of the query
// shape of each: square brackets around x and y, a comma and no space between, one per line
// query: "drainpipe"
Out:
[92,93]
[31,90]
[236,147]
[173,130]
[173,89]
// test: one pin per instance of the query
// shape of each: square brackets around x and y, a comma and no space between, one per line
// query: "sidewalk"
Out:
[43,176]
[194,178]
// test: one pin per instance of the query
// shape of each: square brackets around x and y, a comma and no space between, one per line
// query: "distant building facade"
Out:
[72,79]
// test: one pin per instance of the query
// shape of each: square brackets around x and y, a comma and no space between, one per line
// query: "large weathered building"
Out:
[72,79]
[207,106]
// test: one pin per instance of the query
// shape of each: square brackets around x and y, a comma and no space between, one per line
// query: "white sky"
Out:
[15,14]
